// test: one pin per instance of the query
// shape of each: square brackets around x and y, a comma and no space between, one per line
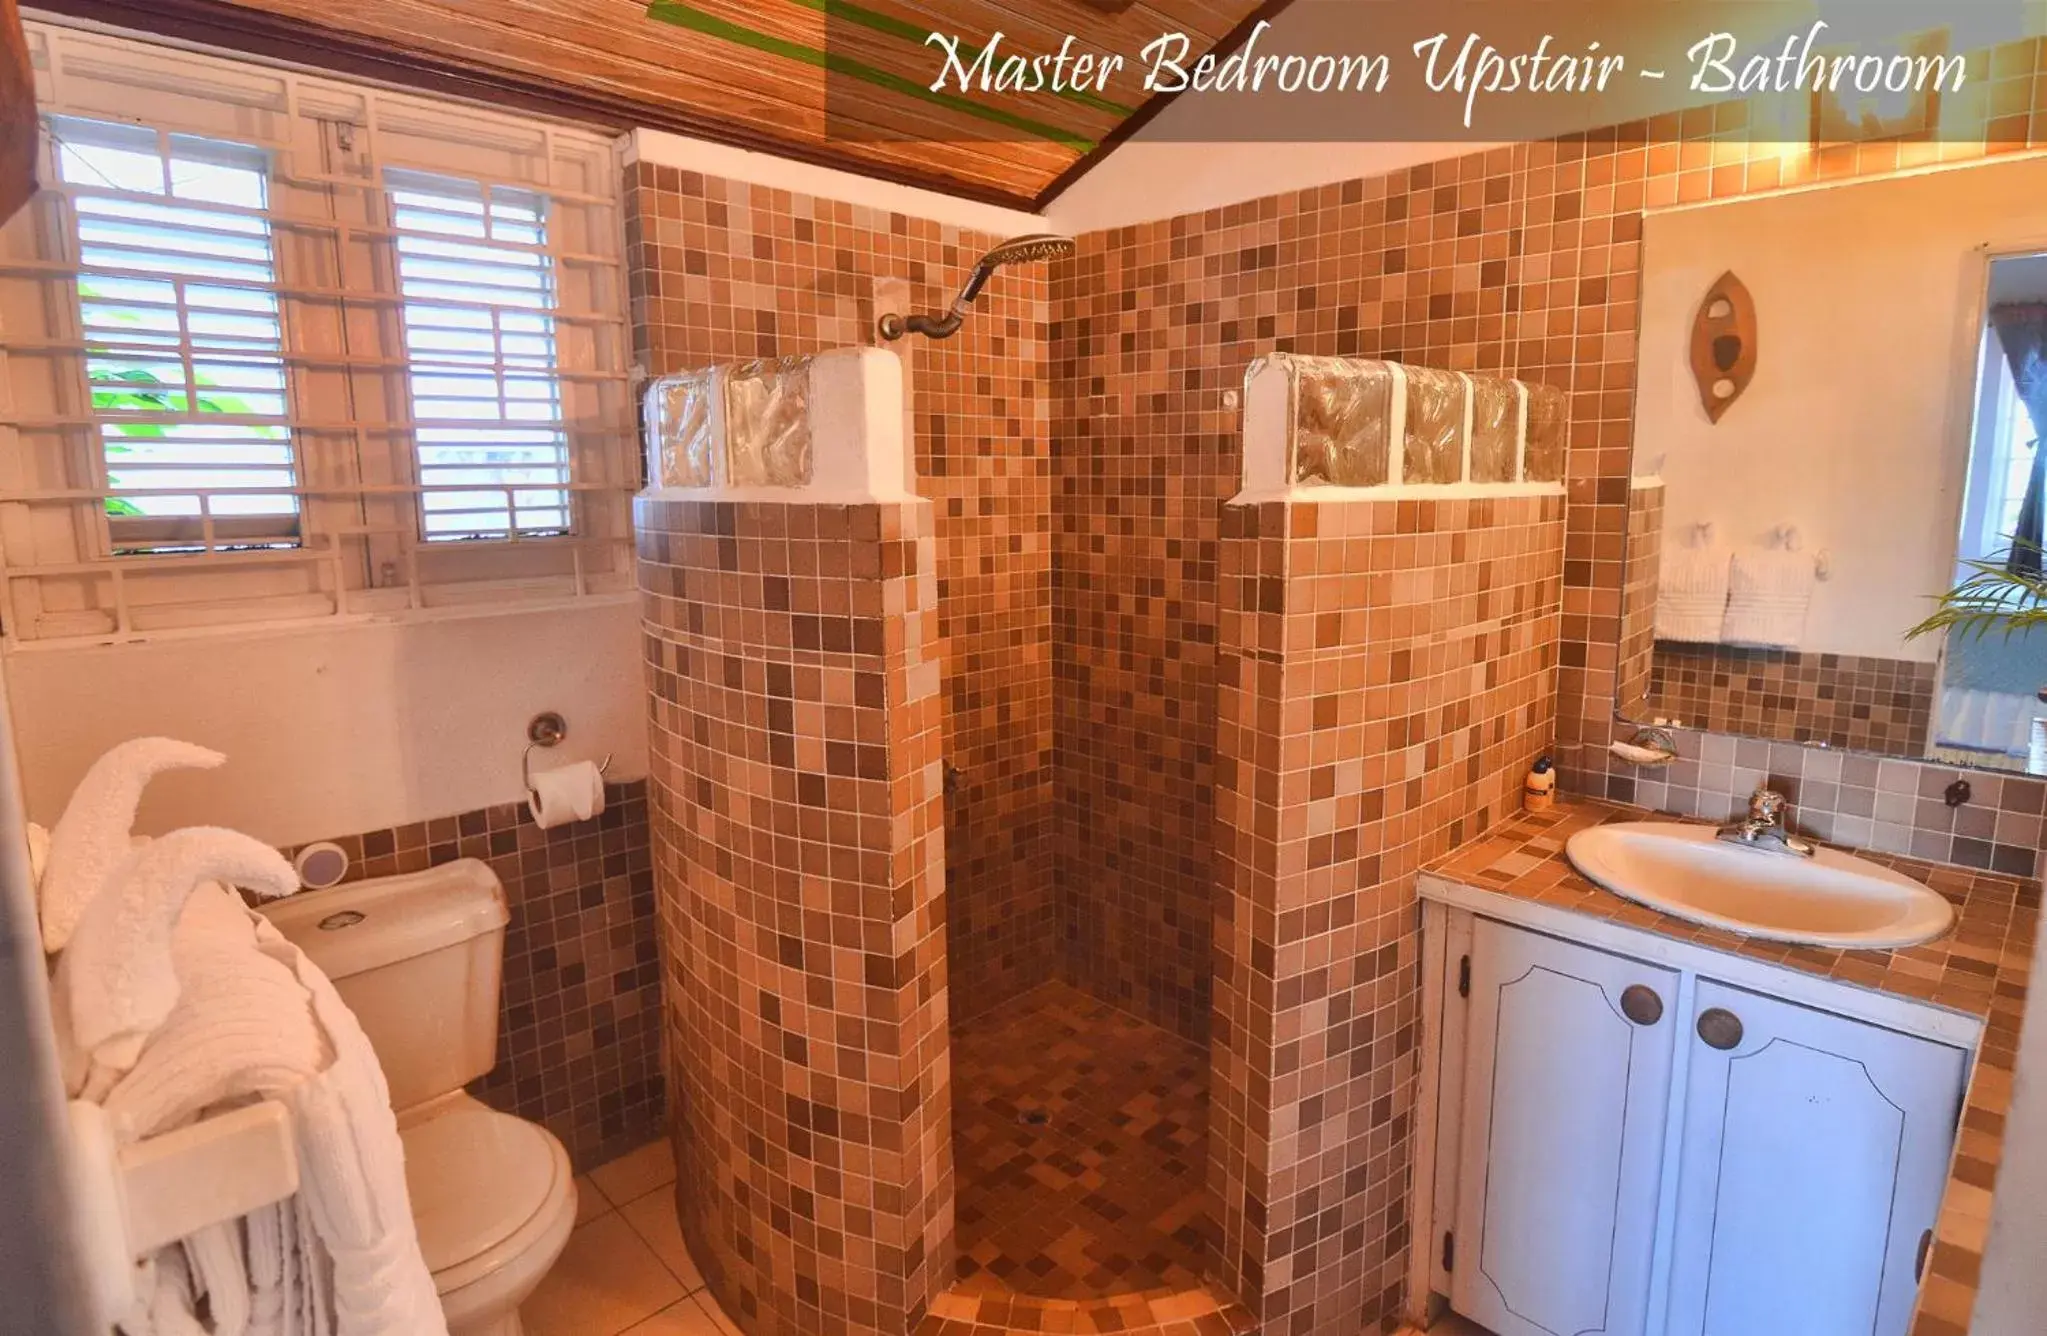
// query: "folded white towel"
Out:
[1691,594]
[91,839]
[1768,592]
[243,1025]
[117,970]
[256,1018]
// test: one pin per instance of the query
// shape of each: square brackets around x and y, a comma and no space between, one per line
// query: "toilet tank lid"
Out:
[363,925]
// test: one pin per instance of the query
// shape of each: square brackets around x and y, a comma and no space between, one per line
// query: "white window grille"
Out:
[475,274]
[281,348]
[184,351]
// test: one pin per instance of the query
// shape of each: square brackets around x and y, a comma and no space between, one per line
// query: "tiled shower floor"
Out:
[1080,1136]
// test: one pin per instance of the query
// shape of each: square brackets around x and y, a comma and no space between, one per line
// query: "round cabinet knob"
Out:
[1720,1028]
[1641,1005]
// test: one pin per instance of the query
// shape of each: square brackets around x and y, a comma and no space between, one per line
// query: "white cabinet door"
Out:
[1565,1100]
[1815,1151]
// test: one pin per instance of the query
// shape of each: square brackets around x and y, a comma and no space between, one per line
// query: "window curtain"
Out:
[2022,331]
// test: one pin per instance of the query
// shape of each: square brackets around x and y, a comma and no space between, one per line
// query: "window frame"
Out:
[362,546]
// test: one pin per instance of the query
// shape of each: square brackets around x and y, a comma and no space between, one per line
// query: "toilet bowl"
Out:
[418,959]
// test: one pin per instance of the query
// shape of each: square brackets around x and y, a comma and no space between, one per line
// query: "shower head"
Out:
[1017,250]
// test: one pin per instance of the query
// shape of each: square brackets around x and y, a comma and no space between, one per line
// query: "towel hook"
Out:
[547,729]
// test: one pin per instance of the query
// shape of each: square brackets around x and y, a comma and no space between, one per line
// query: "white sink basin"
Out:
[1831,899]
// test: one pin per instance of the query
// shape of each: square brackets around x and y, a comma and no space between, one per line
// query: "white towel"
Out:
[353,1179]
[117,971]
[91,839]
[243,1025]
[1768,592]
[1691,594]
[255,1018]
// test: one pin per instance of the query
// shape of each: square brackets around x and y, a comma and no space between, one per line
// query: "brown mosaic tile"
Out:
[1981,967]
[723,271]
[1081,1151]
[579,1009]
[796,780]
[1388,672]
[1842,700]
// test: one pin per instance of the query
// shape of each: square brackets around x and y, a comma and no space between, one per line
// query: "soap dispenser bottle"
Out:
[1539,790]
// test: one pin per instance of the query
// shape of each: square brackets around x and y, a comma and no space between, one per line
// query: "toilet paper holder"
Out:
[547,729]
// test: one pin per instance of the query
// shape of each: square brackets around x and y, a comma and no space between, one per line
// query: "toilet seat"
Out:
[493,1199]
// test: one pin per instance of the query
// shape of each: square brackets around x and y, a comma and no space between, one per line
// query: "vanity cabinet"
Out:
[1814,1153]
[1567,1084]
[1641,1150]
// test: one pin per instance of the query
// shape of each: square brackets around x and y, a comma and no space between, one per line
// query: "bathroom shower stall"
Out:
[1035,841]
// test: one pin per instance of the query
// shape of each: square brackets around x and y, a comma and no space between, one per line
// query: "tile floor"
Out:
[1080,1136]
[626,1271]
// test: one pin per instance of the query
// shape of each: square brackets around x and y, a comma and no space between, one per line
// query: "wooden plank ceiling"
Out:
[843,82]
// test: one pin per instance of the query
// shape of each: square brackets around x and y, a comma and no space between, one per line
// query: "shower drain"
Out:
[1033,1117]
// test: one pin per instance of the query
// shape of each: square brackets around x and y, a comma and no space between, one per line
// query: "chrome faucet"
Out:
[1764,829]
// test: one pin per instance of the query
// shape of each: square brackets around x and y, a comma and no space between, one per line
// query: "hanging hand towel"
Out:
[1768,592]
[255,1017]
[1691,594]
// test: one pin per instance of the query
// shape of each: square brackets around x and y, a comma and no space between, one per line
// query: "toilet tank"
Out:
[418,959]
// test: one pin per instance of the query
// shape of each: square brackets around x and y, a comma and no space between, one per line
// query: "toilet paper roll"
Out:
[571,793]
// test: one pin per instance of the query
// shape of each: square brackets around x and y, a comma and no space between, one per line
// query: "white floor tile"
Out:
[636,1173]
[606,1280]
[590,1203]
[653,1219]
[683,1319]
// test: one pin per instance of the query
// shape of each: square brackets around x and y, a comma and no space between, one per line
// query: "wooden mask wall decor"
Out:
[1724,344]
[17,115]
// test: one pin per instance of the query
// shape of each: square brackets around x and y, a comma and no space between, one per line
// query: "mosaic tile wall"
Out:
[1150,325]
[1844,700]
[796,782]
[723,271]
[1644,560]
[579,1014]
[1388,671]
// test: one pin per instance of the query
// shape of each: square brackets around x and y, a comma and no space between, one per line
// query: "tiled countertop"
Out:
[1979,968]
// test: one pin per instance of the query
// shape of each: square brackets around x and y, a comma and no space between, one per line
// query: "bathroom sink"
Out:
[1831,899]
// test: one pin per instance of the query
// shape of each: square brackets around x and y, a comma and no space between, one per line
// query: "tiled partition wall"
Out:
[1387,669]
[722,271]
[795,776]
[579,1011]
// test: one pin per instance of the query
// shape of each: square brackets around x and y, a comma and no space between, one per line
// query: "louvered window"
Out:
[279,348]
[474,271]
[184,353]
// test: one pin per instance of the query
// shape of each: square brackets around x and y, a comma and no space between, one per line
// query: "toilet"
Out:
[418,958]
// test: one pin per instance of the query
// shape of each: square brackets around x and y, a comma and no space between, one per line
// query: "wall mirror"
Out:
[1884,448]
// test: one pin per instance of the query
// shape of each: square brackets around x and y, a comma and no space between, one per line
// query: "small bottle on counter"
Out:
[1539,790]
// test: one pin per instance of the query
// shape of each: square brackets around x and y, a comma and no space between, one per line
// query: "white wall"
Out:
[1856,425]
[337,730]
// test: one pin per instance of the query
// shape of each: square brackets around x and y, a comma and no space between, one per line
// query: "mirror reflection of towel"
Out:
[1691,594]
[1768,592]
